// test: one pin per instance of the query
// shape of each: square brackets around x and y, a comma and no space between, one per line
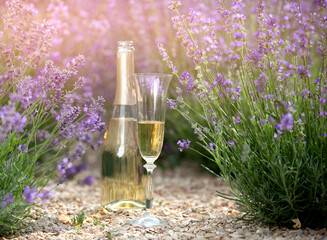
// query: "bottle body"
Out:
[123,177]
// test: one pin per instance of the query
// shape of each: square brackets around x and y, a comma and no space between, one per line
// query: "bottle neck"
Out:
[125,90]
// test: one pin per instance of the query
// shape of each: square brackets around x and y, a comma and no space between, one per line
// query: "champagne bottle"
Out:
[123,176]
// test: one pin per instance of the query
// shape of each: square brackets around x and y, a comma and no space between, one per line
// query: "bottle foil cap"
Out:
[125,89]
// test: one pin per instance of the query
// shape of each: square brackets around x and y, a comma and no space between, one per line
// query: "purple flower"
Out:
[323,101]
[186,79]
[67,116]
[303,72]
[285,69]
[22,148]
[8,198]
[61,180]
[212,146]
[227,82]
[173,4]
[45,195]
[73,170]
[171,65]
[68,170]
[162,52]
[254,56]
[64,165]
[321,113]
[79,83]
[183,144]
[260,82]
[237,120]
[238,35]
[231,143]
[306,93]
[29,194]
[89,180]
[321,3]
[172,104]
[286,123]
[10,119]
[92,123]
[78,152]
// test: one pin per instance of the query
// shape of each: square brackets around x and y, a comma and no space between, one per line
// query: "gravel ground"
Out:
[188,201]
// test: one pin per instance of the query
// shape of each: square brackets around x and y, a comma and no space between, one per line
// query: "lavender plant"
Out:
[92,28]
[259,110]
[42,115]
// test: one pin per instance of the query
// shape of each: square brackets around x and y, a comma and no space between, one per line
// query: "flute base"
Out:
[126,205]
[148,220]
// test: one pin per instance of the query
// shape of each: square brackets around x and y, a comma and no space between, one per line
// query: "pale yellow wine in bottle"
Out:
[123,175]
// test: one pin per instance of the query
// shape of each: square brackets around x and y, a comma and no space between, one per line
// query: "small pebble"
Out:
[181,191]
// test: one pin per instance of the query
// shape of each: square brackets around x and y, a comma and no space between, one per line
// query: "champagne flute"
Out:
[151,107]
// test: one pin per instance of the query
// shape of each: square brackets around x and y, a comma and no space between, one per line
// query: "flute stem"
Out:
[149,186]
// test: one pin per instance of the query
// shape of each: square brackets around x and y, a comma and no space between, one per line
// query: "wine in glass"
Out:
[151,107]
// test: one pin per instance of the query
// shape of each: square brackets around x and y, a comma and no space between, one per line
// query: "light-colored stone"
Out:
[189,204]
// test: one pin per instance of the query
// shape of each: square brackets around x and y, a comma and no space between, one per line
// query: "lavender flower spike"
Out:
[29,194]
[286,123]
[22,148]
[183,144]
[231,143]
[8,198]
[303,72]
[45,195]
[89,180]
[173,4]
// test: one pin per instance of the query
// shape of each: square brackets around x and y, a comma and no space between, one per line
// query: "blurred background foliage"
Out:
[93,28]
